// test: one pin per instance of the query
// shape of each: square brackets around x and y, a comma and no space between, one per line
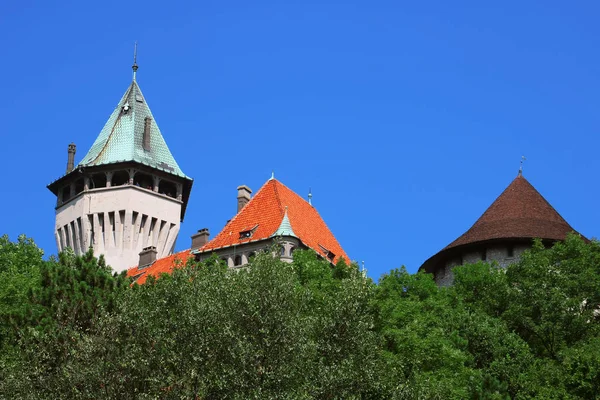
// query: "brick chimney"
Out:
[200,238]
[243,197]
[71,157]
[147,256]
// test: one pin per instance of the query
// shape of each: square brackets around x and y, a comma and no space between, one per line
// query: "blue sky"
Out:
[407,119]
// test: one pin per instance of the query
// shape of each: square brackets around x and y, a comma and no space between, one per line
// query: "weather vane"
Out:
[521,166]
[134,66]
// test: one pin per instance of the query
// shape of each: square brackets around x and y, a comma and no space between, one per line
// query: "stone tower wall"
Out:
[118,222]
[498,253]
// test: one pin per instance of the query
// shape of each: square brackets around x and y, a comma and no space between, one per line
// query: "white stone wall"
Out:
[118,222]
[499,253]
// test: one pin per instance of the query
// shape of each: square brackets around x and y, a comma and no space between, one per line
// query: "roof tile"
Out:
[161,266]
[266,211]
[520,212]
[121,138]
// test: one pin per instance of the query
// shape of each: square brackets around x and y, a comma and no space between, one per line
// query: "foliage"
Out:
[62,308]
[304,329]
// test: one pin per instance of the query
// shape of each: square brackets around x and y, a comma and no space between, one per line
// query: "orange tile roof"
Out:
[265,212]
[161,266]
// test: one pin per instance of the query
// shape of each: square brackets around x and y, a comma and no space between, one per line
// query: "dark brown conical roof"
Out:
[520,212]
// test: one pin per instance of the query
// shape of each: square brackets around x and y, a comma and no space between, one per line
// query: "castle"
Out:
[127,198]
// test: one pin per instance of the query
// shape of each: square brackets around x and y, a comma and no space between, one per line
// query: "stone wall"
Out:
[118,222]
[503,254]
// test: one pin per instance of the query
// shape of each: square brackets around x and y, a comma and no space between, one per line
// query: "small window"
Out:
[237,261]
[329,254]
[484,255]
[247,233]
[511,251]
[282,251]
[251,256]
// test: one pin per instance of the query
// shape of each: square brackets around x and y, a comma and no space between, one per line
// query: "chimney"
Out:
[200,238]
[243,197]
[147,256]
[71,158]
[146,136]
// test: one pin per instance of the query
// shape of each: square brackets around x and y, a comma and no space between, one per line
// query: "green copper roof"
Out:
[285,228]
[121,138]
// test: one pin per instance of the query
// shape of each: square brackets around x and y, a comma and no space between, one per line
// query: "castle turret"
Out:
[127,193]
[502,233]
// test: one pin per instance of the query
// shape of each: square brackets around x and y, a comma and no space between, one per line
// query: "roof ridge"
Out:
[236,216]
[277,196]
[543,198]
[125,96]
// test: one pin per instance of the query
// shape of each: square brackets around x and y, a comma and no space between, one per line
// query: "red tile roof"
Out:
[264,213]
[161,266]
[520,212]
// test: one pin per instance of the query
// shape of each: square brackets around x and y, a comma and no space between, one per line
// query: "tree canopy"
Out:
[70,328]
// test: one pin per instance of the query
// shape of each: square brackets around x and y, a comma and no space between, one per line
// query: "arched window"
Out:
[120,178]
[251,256]
[237,261]
[66,193]
[167,188]
[98,181]
[79,186]
[144,181]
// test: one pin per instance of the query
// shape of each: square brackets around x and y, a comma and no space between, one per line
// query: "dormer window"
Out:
[329,254]
[126,108]
[247,234]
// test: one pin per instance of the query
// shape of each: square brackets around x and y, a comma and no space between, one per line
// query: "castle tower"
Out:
[502,233]
[127,195]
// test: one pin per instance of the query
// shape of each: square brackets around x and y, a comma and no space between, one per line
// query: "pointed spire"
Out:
[122,137]
[285,228]
[134,67]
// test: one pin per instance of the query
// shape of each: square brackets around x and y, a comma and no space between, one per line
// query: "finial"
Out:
[310,196]
[272,174]
[521,166]
[134,66]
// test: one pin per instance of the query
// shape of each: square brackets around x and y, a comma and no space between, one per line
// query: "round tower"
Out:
[502,233]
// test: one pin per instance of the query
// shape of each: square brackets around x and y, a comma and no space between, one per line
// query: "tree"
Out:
[62,309]
[271,330]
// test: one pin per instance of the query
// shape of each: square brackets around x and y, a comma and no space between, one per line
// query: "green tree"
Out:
[271,330]
[61,310]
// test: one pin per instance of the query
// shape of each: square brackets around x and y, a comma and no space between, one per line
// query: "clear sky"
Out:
[407,119]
